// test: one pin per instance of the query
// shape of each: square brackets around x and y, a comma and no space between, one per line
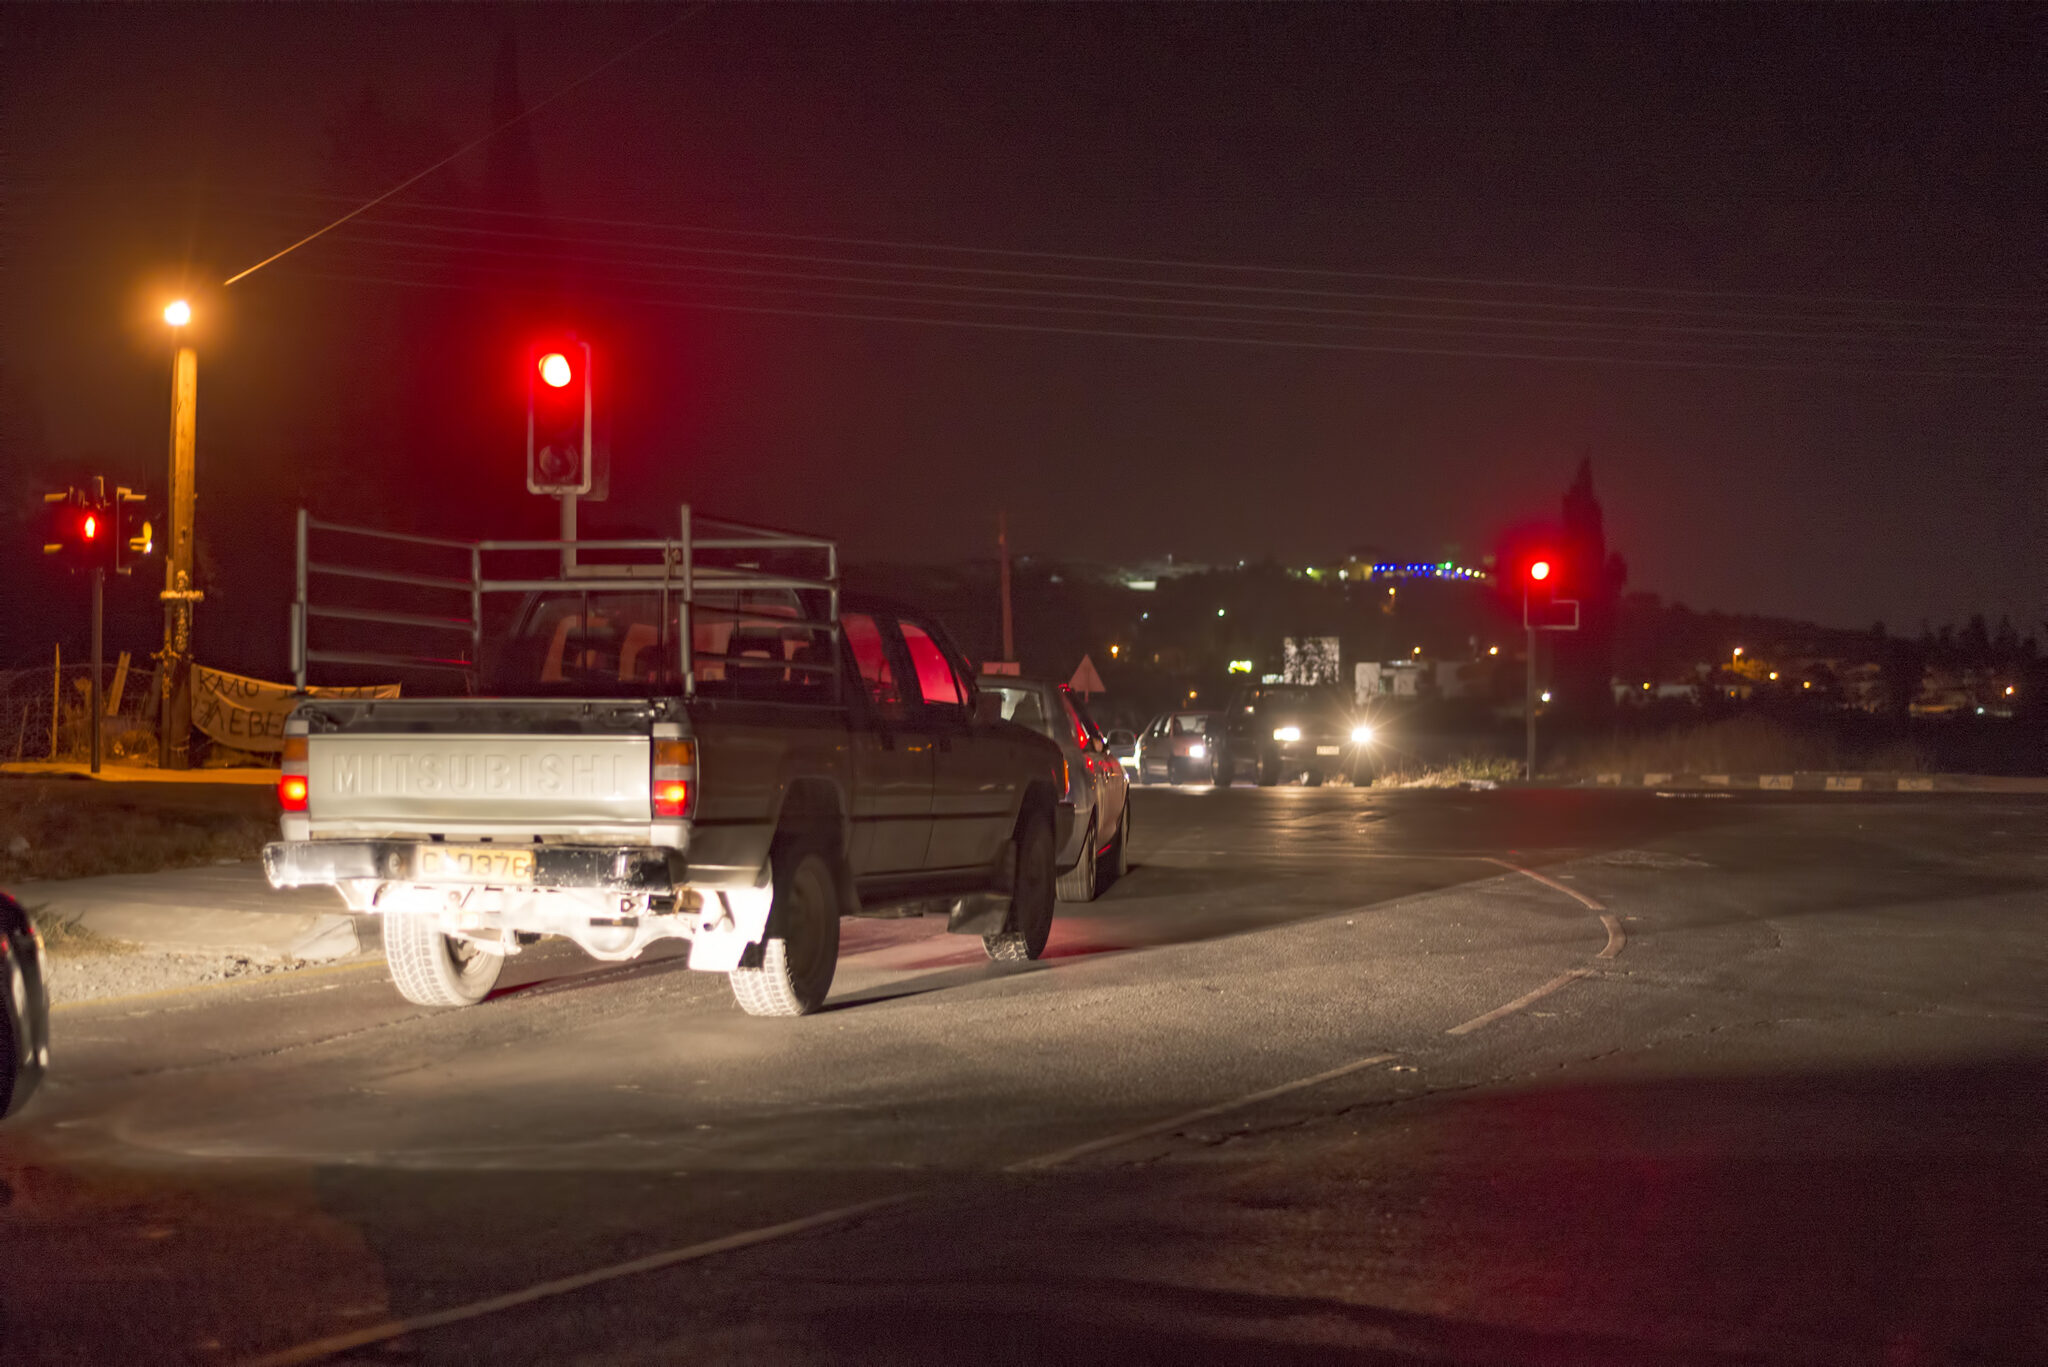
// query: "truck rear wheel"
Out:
[801,951]
[432,969]
[1031,897]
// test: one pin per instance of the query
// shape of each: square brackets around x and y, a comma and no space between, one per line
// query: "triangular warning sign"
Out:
[1086,681]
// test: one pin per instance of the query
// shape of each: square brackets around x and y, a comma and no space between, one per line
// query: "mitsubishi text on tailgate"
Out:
[697,737]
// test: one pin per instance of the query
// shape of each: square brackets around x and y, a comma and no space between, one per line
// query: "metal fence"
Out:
[30,697]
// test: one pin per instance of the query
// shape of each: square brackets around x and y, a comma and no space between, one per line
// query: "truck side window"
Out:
[936,682]
[872,655]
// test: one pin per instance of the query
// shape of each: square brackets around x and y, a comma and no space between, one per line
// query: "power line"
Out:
[1278,343]
[1186,264]
[1634,333]
[1292,292]
[472,145]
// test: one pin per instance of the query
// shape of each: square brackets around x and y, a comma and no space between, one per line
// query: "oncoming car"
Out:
[1283,731]
[1175,748]
[1098,850]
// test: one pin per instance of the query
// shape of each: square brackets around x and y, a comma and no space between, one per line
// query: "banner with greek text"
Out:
[249,713]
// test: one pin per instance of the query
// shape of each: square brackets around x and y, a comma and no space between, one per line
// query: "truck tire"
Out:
[1220,769]
[1313,778]
[1269,770]
[1079,883]
[1031,898]
[432,969]
[801,952]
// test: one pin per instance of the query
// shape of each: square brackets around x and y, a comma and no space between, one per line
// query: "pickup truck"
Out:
[696,737]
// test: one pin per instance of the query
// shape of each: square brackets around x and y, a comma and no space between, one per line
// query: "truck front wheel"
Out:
[432,969]
[801,952]
[1031,897]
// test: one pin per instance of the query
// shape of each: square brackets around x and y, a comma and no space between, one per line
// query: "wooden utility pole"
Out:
[174,701]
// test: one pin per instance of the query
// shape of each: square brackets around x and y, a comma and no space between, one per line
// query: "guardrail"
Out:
[347,575]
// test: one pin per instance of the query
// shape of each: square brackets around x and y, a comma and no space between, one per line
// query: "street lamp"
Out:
[174,701]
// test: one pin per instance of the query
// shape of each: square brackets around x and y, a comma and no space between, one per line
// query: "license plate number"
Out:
[475,864]
[1328,749]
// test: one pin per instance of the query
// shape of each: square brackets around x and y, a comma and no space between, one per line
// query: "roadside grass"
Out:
[70,828]
[73,939]
[1466,769]
[1737,745]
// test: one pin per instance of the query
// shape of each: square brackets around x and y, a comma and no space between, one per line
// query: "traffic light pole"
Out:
[99,587]
[1529,692]
[568,533]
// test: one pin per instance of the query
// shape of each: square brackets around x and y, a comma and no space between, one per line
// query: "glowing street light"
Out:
[177,313]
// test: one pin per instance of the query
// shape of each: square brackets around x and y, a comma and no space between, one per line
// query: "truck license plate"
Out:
[1327,749]
[475,864]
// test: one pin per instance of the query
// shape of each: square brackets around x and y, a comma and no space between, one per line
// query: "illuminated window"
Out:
[935,678]
[873,658]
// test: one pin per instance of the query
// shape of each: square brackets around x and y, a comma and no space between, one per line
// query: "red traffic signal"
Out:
[89,527]
[1539,570]
[558,417]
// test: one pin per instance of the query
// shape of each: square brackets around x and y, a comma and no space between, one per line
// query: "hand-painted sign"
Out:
[249,713]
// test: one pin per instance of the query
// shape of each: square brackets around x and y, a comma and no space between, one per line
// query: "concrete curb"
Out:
[220,910]
[1826,782]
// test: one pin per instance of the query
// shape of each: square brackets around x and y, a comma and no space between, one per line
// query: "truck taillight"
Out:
[292,786]
[675,779]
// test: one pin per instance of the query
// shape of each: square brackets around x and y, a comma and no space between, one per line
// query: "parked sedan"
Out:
[1175,747]
[25,1021]
[1098,851]
[1278,731]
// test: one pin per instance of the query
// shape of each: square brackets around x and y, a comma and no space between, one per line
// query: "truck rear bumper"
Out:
[605,868]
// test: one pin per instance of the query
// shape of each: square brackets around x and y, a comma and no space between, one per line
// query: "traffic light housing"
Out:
[1542,609]
[78,529]
[133,536]
[558,417]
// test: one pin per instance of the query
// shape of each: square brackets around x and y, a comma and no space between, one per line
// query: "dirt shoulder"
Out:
[70,828]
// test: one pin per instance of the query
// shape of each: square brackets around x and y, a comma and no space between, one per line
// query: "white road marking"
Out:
[1518,1003]
[315,1349]
[1617,939]
[1547,882]
[1068,1155]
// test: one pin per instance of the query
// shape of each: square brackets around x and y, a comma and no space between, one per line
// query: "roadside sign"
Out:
[1086,681]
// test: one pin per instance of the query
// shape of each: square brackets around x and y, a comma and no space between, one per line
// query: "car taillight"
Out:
[292,786]
[675,779]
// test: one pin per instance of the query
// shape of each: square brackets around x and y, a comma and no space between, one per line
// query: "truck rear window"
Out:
[756,644]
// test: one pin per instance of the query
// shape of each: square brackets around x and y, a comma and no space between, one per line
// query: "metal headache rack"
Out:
[438,596]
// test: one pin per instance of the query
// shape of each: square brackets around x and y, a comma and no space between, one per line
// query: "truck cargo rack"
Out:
[437,593]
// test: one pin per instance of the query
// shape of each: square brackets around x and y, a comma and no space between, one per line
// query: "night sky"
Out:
[1776,271]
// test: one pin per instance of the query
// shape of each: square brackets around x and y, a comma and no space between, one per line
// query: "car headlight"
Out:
[1197,750]
[1361,735]
[1287,733]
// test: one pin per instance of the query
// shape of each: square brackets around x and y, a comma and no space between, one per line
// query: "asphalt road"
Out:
[1331,1076]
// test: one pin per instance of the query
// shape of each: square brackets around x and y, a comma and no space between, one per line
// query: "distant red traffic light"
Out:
[91,527]
[1539,570]
[554,370]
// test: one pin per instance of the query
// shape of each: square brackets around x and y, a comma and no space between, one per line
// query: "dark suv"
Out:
[1276,731]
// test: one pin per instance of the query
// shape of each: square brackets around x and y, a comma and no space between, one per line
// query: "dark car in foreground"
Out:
[25,1021]
[1272,732]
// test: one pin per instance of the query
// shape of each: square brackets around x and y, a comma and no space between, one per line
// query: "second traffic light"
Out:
[558,412]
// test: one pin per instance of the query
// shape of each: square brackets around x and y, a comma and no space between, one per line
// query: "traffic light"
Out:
[78,528]
[133,537]
[1539,570]
[558,410]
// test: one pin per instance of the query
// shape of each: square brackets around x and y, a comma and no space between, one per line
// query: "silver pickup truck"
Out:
[696,737]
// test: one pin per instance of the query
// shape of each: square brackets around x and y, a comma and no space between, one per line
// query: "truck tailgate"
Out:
[522,783]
